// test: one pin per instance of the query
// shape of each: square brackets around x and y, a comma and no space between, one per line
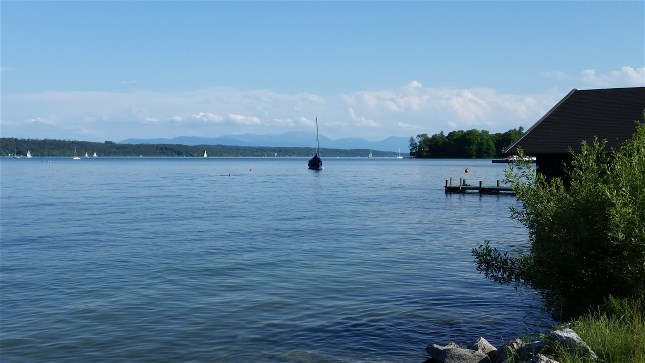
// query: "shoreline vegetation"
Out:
[613,332]
[586,256]
[65,148]
[457,144]
[469,144]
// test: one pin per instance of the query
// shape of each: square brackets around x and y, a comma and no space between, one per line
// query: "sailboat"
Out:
[28,154]
[94,155]
[399,157]
[205,155]
[315,163]
[87,156]
[76,157]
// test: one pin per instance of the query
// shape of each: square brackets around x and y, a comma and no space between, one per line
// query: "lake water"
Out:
[249,260]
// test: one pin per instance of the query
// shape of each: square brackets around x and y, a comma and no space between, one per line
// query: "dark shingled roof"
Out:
[610,114]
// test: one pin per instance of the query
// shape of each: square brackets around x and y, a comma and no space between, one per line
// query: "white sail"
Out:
[94,155]
[28,154]
[87,156]
[205,155]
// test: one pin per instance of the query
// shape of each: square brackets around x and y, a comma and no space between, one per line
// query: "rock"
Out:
[452,353]
[520,351]
[530,350]
[483,346]
[541,359]
[508,350]
[571,340]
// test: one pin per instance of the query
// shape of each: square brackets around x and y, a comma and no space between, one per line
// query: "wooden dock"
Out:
[464,187]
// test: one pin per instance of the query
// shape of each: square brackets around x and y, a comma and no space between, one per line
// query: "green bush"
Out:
[587,241]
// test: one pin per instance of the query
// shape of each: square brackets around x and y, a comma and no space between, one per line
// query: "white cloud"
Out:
[43,121]
[466,104]
[625,77]
[434,109]
[404,111]
[150,120]
[362,120]
[414,84]
[244,120]
[207,117]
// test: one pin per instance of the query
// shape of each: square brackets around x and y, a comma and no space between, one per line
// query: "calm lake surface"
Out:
[250,260]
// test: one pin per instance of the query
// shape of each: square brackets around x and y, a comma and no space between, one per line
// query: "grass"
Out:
[616,332]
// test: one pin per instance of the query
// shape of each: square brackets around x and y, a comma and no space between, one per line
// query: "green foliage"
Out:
[615,331]
[462,144]
[587,240]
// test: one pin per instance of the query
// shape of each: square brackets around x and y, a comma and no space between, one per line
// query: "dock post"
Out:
[498,184]
[451,181]
[480,187]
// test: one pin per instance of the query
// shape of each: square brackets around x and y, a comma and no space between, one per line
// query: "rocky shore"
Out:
[538,351]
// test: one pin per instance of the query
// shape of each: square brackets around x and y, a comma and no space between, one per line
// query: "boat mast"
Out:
[317,141]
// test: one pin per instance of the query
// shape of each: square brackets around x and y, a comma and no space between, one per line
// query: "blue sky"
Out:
[118,69]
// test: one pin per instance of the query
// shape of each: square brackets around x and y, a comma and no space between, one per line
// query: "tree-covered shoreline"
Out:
[468,144]
[456,144]
[66,148]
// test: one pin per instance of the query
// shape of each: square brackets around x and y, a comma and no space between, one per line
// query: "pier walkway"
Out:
[464,187]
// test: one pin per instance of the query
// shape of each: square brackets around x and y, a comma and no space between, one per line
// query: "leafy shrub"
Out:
[587,240]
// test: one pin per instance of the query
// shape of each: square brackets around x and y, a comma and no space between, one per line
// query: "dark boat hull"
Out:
[315,163]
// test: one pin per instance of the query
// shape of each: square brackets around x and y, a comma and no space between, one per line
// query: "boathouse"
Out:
[609,114]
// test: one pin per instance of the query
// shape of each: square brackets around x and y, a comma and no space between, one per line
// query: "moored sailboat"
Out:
[315,163]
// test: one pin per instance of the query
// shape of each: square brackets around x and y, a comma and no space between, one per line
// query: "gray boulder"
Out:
[510,349]
[482,345]
[572,341]
[452,353]
[520,351]
[529,350]
[541,359]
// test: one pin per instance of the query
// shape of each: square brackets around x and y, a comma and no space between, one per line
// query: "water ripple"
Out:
[165,260]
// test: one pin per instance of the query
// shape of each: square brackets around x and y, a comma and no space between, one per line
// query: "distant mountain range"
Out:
[289,139]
